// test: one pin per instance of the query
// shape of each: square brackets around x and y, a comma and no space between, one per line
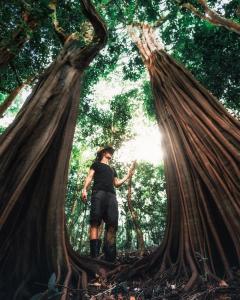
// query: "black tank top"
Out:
[103,177]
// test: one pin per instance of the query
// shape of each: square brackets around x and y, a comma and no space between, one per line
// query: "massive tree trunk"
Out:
[201,142]
[34,159]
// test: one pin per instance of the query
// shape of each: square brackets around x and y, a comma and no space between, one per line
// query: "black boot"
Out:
[110,252]
[94,248]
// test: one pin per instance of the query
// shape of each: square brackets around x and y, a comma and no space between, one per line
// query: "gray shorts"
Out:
[104,206]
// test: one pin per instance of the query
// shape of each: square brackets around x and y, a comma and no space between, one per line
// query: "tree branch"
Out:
[193,9]
[100,32]
[57,28]
[211,16]
[134,215]
[161,20]
[96,21]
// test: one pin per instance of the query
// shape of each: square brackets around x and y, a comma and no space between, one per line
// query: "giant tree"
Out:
[34,156]
[201,141]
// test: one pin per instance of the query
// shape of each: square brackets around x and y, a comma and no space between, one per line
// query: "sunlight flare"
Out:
[146,146]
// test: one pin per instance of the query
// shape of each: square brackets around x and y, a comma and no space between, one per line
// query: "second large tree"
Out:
[202,158]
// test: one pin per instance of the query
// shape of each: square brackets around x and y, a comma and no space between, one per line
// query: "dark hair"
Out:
[99,155]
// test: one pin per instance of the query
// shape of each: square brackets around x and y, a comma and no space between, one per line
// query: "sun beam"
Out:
[146,146]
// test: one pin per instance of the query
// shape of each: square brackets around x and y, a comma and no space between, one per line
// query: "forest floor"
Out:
[146,289]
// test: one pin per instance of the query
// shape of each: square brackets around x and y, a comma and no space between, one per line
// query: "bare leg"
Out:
[93,232]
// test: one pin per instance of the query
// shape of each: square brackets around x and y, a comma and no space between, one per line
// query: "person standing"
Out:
[104,204]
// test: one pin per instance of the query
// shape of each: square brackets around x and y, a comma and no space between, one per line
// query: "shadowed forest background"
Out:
[116,101]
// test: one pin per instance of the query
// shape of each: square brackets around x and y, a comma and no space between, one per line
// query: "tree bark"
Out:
[34,160]
[201,142]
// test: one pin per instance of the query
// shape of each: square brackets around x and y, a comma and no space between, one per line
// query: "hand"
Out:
[131,169]
[130,173]
[84,195]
